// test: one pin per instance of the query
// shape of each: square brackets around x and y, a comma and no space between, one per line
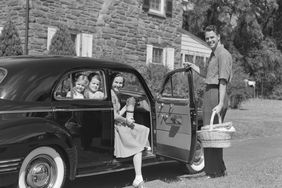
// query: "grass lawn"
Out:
[256,118]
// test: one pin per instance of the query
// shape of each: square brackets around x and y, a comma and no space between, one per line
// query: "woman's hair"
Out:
[116,74]
[81,77]
[212,28]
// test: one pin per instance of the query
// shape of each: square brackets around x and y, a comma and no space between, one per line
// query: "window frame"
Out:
[5,72]
[168,58]
[161,12]
[171,83]
[69,75]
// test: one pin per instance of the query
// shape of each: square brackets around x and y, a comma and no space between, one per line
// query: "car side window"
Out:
[81,85]
[132,83]
[132,87]
[177,86]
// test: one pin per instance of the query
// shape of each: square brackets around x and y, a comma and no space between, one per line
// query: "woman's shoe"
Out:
[139,185]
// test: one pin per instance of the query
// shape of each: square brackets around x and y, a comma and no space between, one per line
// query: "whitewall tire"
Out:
[198,162]
[42,167]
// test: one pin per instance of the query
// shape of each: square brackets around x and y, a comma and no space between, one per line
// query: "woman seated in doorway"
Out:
[92,91]
[130,138]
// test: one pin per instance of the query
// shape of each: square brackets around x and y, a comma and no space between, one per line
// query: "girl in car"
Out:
[80,83]
[130,138]
[92,91]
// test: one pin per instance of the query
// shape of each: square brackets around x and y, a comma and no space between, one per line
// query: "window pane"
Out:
[157,55]
[177,86]
[189,58]
[155,4]
[199,60]
[132,83]
[86,84]
[168,89]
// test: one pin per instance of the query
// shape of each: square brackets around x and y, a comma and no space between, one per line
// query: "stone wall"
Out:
[121,29]
[126,30]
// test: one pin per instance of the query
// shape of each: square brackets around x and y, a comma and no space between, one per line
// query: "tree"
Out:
[10,42]
[61,43]
[253,29]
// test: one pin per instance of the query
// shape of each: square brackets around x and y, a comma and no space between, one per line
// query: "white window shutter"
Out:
[149,55]
[87,43]
[51,33]
[1,28]
[165,57]
[78,45]
[170,58]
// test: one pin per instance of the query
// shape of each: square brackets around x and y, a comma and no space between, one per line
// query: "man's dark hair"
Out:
[212,28]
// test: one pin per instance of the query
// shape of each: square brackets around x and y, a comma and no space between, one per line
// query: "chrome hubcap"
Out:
[41,172]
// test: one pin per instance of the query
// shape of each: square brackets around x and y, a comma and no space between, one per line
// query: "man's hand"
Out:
[218,108]
[193,66]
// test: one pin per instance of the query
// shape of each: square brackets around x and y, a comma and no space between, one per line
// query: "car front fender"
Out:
[18,137]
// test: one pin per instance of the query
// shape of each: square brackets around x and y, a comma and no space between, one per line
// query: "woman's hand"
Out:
[130,122]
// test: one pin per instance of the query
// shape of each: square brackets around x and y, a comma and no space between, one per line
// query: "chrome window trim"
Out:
[56,110]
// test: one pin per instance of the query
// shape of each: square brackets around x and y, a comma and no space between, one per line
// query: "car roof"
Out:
[60,62]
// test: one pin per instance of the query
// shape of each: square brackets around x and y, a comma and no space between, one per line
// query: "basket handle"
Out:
[212,118]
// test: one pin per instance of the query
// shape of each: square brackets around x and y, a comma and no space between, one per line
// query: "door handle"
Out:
[176,120]
[164,117]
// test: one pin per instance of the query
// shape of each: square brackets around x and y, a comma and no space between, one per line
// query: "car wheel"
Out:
[198,162]
[42,167]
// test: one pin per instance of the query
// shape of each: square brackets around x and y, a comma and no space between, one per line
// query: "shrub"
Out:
[61,43]
[276,93]
[153,75]
[10,42]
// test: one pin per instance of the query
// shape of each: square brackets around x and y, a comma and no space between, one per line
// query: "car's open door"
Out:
[176,116]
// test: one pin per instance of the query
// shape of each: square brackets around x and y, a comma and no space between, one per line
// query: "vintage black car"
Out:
[46,136]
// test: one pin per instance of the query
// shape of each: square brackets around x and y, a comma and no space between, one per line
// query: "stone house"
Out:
[144,31]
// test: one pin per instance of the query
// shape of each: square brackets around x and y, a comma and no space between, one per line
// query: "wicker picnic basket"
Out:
[216,135]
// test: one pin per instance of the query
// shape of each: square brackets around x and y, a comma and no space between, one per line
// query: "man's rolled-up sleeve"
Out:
[225,66]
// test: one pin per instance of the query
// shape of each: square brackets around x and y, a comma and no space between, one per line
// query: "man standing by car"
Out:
[217,74]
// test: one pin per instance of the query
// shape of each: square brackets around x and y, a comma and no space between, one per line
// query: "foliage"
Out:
[10,42]
[62,43]
[277,93]
[277,26]
[251,30]
[153,75]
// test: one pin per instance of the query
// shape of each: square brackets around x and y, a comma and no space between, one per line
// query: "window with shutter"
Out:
[170,58]
[163,56]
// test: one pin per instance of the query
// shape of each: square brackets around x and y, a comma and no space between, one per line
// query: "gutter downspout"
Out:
[26,26]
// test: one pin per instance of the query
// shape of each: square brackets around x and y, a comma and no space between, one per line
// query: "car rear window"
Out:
[3,73]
